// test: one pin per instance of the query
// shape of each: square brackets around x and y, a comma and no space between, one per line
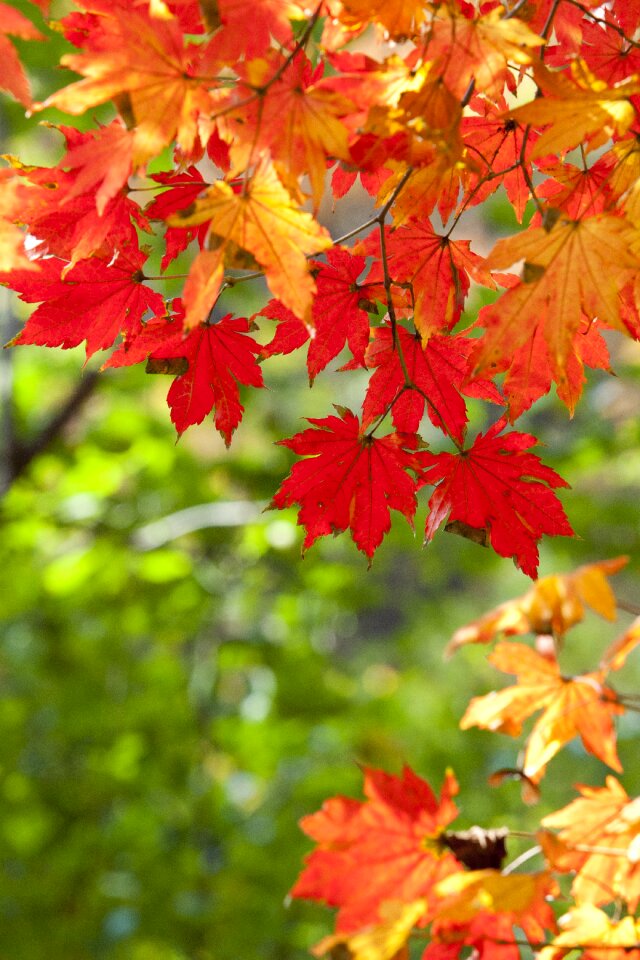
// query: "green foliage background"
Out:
[172,700]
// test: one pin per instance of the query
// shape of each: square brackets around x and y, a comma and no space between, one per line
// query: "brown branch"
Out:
[21,454]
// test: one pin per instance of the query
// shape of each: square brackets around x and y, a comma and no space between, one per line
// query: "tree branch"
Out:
[20,455]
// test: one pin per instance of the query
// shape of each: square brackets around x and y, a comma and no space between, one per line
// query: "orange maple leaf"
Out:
[388,843]
[552,605]
[600,840]
[479,48]
[383,941]
[299,122]
[13,78]
[573,706]
[400,18]
[578,110]
[264,221]
[145,59]
[575,269]
[599,937]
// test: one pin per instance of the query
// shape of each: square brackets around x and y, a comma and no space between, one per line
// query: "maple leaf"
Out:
[269,18]
[480,47]
[220,356]
[291,333]
[497,487]
[183,188]
[607,823]
[609,54]
[101,160]
[337,315]
[14,79]
[553,605]
[388,843]
[499,152]
[12,250]
[596,934]
[530,369]
[437,371]
[350,479]
[481,909]
[580,705]
[579,110]
[400,18]
[579,192]
[145,58]
[383,941]
[576,269]
[312,129]
[95,301]
[68,225]
[264,221]
[438,269]
[166,332]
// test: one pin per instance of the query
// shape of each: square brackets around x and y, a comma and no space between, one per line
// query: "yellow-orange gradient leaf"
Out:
[385,941]
[586,111]
[553,605]
[146,60]
[573,706]
[464,895]
[588,927]
[576,269]
[600,838]
[264,221]
[616,654]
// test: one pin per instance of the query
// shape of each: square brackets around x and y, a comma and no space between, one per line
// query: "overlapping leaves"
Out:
[246,123]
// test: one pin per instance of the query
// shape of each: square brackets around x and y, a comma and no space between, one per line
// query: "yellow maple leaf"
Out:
[552,605]
[572,706]
[385,941]
[264,221]
[465,895]
[583,110]
[599,839]
[587,927]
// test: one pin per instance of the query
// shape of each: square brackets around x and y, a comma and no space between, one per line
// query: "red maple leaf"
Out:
[157,333]
[101,161]
[437,371]
[438,270]
[66,223]
[612,57]
[95,301]
[291,333]
[383,848]
[529,374]
[495,147]
[337,317]
[14,79]
[183,188]
[336,313]
[351,479]
[497,487]
[220,356]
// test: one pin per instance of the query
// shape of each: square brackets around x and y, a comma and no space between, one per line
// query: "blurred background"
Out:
[178,687]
